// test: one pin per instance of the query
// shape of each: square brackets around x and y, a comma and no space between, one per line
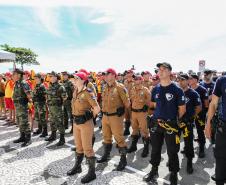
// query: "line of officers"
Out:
[156,110]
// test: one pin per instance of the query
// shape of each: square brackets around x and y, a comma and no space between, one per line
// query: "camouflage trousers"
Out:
[56,118]
[22,118]
[40,114]
[67,113]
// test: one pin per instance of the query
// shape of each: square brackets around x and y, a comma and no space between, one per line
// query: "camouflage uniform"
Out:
[20,97]
[39,99]
[67,104]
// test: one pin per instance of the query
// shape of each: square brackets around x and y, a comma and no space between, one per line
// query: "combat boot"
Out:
[27,140]
[201,151]
[189,166]
[123,162]
[61,141]
[77,167]
[146,147]
[91,175]
[20,139]
[38,131]
[173,178]
[133,146]
[52,137]
[127,125]
[152,175]
[106,156]
[44,132]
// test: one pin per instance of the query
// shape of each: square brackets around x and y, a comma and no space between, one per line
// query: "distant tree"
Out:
[24,56]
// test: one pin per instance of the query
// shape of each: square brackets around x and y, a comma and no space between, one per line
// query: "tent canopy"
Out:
[7,56]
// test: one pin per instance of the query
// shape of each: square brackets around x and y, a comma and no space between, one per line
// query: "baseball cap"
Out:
[165,64]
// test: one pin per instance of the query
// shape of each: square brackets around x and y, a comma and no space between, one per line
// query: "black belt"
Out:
[110,114]
[81,119]
[138,110]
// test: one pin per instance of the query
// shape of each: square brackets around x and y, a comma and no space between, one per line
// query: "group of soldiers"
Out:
[165,106]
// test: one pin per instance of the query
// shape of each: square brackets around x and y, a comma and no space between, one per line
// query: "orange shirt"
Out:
[9,89]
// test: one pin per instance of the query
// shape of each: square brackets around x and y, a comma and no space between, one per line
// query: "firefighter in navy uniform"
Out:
[169,103]
[201,117]
[193,107]
[220,147]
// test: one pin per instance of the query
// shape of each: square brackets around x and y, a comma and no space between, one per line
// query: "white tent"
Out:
[7,56]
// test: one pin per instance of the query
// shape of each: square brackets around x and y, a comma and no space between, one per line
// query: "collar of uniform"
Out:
[138,87]
[113,84]
[84,88]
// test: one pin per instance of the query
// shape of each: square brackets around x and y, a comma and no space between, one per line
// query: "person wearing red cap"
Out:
[129,83]
[115,99]
[84,108]
[155,80]
[140,99]
[147,79]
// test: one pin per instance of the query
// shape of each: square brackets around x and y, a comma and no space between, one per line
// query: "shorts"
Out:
[9,104]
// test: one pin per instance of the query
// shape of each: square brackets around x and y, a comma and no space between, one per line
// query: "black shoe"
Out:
[27,140]
[44,132]
[127,125]
[123,162]
[106,156]
[52,137]
[146,147]
[20,139]
[73,149]
[173,178]
[152,175]
[38,131]
[91,175]
[189,166]
[61,142]
[213,177]
[77,167]
[133,146]
[201,151]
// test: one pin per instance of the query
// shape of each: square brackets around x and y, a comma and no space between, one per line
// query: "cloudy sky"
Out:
[97,34]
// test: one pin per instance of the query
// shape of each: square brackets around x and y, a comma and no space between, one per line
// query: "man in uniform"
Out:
[193,107]
[201,117]
[39,100]
[140,99]
[67,103]
[147,79]
[21,97]
[129,83]
[169,103]
[115,99]
[56,95]
[220,147]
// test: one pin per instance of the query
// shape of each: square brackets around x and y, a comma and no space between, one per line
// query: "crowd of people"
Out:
[166,106]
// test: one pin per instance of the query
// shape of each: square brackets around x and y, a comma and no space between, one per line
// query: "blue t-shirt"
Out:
[192,99]
[209,87]
[202,93]
[167,100]
[220,91]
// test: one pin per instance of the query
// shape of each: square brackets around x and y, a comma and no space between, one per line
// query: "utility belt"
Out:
[81,119]
[119,112]
[200,120]
[21,101]
[144,109]
[221,126]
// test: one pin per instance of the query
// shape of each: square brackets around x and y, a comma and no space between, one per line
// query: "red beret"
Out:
[81,75]
[112,71]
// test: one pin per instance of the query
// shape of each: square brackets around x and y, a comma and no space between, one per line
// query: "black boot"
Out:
[106,156]
[27,140]
[61,141]
[38,131]
[52,137]
[91,175]
[173,178]
[189,166]
[73,149]
[213,177]
[77,167]
[44,132]
[93,140]
[146,147]
[201,151]
[152,175]
[127,125]
[20,139]
[133,146]
[122,163]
